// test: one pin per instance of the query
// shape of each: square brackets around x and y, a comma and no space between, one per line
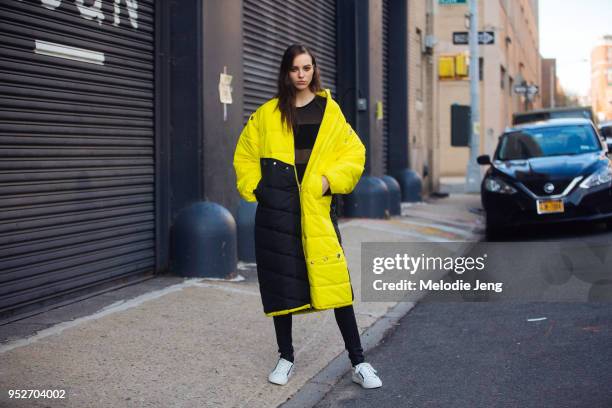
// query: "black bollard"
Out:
[204,241]
[369,199]
[395,195]
[411,185]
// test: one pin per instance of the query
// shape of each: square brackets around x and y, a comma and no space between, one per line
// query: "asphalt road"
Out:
[491,355]
[485,354]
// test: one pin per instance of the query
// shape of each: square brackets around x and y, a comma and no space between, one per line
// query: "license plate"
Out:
[550,206]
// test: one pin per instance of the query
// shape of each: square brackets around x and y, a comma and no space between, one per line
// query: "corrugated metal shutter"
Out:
[76,147]
[270,26]
[385,84]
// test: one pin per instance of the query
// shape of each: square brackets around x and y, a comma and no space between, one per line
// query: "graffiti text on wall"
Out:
[93,10]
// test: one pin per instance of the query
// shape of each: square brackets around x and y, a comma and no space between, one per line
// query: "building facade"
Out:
[509,56]
[421,112]
[113,125]
[601,79]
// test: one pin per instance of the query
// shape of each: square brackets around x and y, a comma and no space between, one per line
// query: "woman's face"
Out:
[301,71]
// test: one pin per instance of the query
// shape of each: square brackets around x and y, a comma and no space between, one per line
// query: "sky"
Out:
[569,29]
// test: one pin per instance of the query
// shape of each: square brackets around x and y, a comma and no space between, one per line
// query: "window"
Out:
[609,76]
[510,85]
[502,73]
[481,68]
[549,141]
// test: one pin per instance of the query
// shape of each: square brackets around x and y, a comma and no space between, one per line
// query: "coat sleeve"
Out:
[246,160]
[348,166]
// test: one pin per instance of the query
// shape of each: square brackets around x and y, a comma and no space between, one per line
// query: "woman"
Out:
[295,152]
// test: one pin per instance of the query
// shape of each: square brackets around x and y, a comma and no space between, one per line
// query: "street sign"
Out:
[484,37]
[532,90]
[529,91]
[445,2]
[520,89]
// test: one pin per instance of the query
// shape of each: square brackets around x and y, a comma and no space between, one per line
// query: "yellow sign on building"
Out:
[461,65]
[453,66]
[446,67]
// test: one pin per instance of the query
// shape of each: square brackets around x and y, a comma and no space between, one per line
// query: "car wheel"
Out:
[609,225]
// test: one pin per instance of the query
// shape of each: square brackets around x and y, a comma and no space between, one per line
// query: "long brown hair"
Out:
[286,90]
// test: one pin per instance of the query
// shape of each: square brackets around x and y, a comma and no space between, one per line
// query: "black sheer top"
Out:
[305,131]
[309,118]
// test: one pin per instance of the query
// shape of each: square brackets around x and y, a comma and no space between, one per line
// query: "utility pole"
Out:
[472,178]
[527,97]
[553,85]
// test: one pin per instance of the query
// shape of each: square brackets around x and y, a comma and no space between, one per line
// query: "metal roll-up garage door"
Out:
[270,26]
[385,85]
[77,205]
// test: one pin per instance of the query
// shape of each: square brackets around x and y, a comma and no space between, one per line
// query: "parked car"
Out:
[552,171]
[538,115]
[605,129]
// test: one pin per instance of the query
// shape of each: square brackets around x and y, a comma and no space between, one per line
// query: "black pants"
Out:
[345,317]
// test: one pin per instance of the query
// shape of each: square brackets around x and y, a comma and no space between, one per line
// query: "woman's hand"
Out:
[325,184]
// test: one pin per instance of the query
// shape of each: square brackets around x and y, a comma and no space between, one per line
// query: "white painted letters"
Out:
[132,8]
[90,12]
[94,12]
[51,4]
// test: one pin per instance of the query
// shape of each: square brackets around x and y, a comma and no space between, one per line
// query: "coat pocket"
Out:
[328,270]
[315,185]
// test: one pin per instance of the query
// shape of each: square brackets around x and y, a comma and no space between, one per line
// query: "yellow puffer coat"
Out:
[339,155]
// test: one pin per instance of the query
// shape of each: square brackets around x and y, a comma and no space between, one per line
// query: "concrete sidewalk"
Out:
[197,342]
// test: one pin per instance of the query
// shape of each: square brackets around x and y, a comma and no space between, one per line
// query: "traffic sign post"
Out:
[472,176]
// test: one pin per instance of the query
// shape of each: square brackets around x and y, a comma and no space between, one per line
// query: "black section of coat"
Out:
[281,267]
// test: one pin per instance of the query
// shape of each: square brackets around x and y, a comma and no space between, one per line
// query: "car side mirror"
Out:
[483,160]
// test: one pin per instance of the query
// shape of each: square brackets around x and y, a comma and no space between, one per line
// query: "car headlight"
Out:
[601,176]
[495,185]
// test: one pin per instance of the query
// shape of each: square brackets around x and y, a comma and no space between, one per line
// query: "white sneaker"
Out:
[365,375]
[281,373]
